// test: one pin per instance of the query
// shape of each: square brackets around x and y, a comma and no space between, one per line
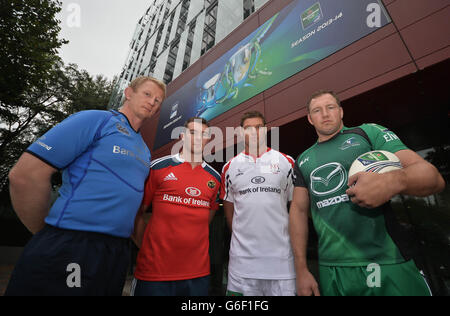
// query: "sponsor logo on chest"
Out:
[351,142]
[187,201]
[326,180]
[170,177]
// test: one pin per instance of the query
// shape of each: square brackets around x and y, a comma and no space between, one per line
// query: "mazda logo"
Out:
[328,179]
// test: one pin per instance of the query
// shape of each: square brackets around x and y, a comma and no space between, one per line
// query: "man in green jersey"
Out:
[360,250]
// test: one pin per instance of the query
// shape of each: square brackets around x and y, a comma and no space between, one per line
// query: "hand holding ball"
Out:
[371,189]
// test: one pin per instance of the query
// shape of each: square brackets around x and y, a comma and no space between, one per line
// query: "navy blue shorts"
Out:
[192,287]
[64,263]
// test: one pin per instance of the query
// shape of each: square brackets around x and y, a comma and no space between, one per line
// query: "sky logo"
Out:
[311,16]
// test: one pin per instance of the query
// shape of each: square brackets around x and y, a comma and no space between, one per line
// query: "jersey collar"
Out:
[128,121]
[254,157]
[178,158]
[335,136]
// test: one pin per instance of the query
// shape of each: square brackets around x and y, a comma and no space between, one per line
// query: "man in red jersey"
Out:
[173,259]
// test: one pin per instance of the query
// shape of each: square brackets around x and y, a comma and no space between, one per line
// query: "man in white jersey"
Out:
[256,187]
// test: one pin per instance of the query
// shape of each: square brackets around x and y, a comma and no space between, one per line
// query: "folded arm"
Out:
[30,189]
[417,177]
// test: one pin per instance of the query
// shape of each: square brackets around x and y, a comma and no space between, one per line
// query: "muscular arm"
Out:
[418,178]
[228,208]
[298,232]
[30,188]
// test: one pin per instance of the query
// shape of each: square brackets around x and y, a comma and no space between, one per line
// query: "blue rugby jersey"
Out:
[105,164]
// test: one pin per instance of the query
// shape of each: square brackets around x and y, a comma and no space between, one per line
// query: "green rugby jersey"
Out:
[349,235]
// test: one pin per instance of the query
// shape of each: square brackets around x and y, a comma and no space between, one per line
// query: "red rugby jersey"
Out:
[176,239]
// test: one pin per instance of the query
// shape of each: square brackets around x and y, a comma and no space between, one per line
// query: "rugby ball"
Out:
[378,161]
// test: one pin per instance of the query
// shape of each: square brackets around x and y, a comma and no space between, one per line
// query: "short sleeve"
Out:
[225,189]
[290,187]
[215,201]
[69,139]
[382,138]
[150,188]
[299,181]
[290,177]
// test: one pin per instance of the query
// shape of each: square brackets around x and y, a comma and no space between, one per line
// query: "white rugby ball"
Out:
[378,161]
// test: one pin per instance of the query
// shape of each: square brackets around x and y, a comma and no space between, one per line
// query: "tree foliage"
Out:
[29,36]
[71,90]
[36,89]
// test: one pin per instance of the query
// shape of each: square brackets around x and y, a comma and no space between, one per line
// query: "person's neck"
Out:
[323,138]
[256,152]
[191,158]
[135,121]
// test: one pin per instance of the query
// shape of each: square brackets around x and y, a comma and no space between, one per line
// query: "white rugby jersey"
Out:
[260,189]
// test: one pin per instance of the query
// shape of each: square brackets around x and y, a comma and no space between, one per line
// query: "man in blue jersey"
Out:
[80,246]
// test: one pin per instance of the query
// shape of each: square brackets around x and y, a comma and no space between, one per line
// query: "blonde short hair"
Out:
[136,83]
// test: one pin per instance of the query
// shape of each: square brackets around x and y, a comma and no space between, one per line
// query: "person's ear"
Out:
[309,120]
[128,92]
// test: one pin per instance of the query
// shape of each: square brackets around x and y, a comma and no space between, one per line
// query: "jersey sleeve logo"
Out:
[211,184]
[122,129]
[303,162]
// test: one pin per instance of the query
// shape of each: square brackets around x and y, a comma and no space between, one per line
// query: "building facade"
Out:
[395,75]
[174,34]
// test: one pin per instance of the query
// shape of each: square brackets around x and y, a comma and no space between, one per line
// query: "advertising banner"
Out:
[302,34]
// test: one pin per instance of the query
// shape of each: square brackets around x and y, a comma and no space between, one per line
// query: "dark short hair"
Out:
[252,114]
[321,93]
[193,119]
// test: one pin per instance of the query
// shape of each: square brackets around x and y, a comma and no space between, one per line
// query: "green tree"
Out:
[85,91]
[29,39]
[29,65]
[36,89]
[71,90]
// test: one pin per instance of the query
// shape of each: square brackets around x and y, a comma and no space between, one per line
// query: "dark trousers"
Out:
[192,287]
[59,262]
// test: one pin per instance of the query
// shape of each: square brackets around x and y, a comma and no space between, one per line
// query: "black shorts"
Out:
[59,262]
[191,287]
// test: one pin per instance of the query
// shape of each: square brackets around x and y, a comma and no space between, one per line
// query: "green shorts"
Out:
[402,279]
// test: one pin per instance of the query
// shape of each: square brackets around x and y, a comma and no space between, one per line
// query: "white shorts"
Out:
[238,286]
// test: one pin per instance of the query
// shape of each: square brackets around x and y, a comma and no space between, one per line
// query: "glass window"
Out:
[170,67]
[209,32]
[183,17]
[249,8]
[169,29]
[189,43]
